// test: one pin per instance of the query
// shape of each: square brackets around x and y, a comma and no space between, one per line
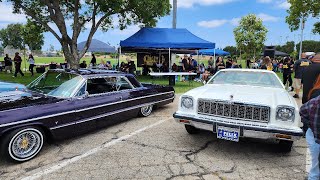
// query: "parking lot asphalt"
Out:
[156,147]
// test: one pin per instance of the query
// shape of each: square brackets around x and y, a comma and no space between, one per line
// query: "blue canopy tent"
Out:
[213,52]
[97,46]
[164,39]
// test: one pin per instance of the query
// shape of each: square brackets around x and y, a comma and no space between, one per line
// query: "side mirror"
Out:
[86,94]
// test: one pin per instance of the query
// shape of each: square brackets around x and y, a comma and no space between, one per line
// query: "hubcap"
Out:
[26,144]
[146,111]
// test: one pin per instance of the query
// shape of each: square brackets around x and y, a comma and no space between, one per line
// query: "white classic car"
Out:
[242,103]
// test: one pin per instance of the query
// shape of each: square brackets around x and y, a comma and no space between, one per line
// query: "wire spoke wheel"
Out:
[146,110]
[25,144]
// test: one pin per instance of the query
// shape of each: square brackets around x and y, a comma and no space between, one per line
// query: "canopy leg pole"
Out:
[214,57]
[169,58]
[119,55]
[159,61]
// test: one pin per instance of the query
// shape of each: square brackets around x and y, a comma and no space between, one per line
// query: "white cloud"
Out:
[213,23]
[284,5]
[264,1]
[266,17]
[6,15]
[191,3]
[234,21]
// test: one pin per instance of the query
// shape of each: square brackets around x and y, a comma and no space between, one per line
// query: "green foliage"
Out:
[33,35]
[97,14]
[19,35]
[12,35]
[287,48]
[309,46]
[250,35]
[301,10]
[232,50]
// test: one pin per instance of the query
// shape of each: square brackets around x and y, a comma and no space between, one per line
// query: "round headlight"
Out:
[285,113]
[187,102]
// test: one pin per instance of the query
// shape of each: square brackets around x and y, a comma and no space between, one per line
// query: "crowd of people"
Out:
[16,62]
[188,64]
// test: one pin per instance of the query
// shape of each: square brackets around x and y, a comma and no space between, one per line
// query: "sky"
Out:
[212,20]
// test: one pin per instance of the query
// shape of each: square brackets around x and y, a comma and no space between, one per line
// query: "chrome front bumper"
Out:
[245,131]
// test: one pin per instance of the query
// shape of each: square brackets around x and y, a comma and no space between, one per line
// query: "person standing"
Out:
[299,68]
[31,63]
[229,63]
[248,62]
[220,64]
[185,64]
[266,64]
[287,67]
[17,64]
[310,116]
[309,78]
[210,62]
[93,60]
[7,64]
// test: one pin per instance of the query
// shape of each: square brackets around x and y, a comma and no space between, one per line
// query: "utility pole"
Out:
[174,20]
[302,27]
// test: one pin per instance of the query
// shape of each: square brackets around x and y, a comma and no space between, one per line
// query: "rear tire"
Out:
[22,144]
[285,146]
[191,129]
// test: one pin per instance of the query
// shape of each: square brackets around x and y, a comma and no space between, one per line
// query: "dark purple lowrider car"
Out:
[66,103]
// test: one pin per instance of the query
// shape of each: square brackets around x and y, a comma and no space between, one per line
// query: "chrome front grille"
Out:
[234,110]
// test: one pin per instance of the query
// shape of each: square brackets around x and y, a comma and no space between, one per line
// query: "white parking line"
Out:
[88,153]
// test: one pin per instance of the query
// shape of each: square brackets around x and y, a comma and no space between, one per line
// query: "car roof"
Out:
[89,73]
[247,70]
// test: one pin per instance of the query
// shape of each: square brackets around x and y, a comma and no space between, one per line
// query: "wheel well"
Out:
[46,131]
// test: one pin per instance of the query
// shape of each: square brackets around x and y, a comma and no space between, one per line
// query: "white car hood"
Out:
[243,93]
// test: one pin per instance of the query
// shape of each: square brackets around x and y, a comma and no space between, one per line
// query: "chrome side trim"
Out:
[108,114]
[73,111]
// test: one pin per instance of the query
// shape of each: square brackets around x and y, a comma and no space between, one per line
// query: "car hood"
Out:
[243,93]
[5,86]
[20,99]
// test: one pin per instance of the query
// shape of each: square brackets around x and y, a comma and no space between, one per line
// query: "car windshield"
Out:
[57,84]
[262,79]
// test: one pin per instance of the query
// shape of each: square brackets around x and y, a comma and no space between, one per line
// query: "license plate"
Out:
[227,133]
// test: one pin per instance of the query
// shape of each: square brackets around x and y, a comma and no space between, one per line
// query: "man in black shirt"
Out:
[287,70]
[185,64]
[83,64]
[229,63]
[93,60]
[17,64]
[7,64]
[299,68]
[309,78]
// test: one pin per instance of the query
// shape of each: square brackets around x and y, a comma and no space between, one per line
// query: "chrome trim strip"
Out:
[109,114]
[73,111]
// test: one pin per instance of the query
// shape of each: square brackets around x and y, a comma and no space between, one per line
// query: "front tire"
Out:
[285,146]
[146,110]
[191,129]
[22,144]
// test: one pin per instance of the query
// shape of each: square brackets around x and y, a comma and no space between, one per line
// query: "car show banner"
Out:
[150,59]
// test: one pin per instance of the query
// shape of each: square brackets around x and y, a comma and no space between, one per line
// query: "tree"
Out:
[300,10]
[19,35]
[310,46]
[250,35]
[12,35]
[287,48]
[95,13]
[33,35]
[232,50]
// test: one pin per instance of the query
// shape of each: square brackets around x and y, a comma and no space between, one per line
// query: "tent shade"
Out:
[212,52]
[164,38]
[97,46]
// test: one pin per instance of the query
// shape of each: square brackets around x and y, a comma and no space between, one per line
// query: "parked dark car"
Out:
[67,103]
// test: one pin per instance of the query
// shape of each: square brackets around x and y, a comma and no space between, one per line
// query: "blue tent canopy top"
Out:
[212,52]
[97,46]
[165,38]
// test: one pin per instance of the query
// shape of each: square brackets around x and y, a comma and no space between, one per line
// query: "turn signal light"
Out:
[184,121]
[283,136]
